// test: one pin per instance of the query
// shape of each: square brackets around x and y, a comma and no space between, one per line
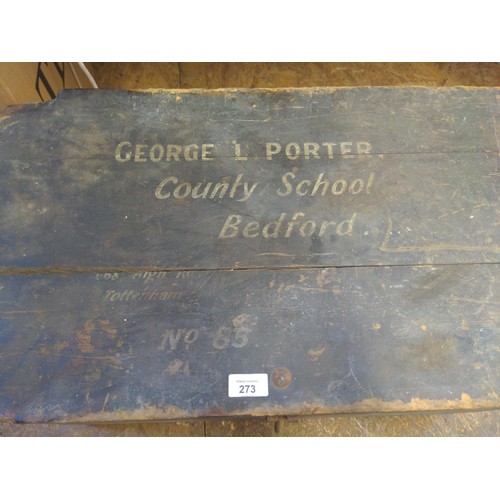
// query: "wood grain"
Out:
[135,306]
[292,74]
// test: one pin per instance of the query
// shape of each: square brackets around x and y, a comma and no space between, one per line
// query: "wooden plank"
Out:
[349,253]
[413,179]
[456,424]
[162,345]
[476,425]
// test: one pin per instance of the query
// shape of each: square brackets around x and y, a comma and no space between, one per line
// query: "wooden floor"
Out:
[220,75]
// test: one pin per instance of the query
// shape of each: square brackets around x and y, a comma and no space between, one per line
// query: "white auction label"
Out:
[248,385]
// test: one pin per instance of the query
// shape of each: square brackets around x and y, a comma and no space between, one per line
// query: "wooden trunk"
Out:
[183,254]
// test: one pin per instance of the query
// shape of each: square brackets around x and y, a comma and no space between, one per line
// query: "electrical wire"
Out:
[88,75]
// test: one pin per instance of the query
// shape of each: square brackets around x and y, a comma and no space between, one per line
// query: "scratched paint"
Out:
[154,243]
[291,178]
[355,339]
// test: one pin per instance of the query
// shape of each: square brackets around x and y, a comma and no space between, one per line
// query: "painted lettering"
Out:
[239,189]
[141,153]
[123,156]
[321,186]
[285,227]
[313,150]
